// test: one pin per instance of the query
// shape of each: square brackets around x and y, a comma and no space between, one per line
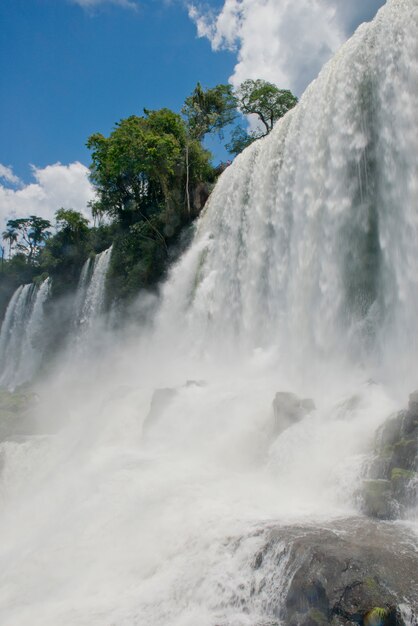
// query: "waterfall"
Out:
[309,238]
[22,335]
[82,286]
[90,296]
[198,470]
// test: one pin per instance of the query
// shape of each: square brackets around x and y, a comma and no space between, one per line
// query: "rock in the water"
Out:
[352,572]
[378,501]
[393,474]
[161,399]
[289,409]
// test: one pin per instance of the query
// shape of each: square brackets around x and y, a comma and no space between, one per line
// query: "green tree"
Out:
[10,236]
[205,111]
[141,178]
[29,234]
[209,111]
[240,139]
[65,252]
[135,167]
[265,100]
[73,222]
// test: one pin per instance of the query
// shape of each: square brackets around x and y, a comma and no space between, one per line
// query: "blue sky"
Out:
[70,72]
[74,67]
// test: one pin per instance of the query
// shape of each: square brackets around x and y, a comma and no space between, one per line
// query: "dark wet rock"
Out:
[200,196]
[288,409]
[161,400]
[349,405]
[378,499]
[393,473]
[356,571]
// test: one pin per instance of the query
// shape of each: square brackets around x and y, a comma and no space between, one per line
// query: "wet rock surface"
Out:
[288,409]
[391,486]
[160,401]
[355,571]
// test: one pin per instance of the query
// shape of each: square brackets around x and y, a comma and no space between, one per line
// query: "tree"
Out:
[134,168]
[28,233]
[64,253]
[72,221]
[140,175]
[265,100]
[205,112]
[240,139]
[209,111]
[10,236]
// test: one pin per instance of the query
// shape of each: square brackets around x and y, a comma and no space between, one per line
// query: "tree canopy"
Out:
[27,234]
[210,110]
[268,102]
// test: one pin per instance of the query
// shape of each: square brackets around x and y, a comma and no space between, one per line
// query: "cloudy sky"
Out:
[74,67]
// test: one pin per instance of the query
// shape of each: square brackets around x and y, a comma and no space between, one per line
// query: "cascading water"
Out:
[22,335]
[155,508]
[90,297]
[82,286]
[309,241]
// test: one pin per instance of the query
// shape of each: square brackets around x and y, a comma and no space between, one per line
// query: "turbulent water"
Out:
[302,277]
[22,335]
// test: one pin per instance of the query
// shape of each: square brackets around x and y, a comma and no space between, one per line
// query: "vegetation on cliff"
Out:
[152,177]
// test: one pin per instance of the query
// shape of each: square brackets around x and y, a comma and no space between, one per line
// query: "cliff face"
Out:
[391,487]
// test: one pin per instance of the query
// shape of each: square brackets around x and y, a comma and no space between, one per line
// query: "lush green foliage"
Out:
[152,176]
[264,100]
[27,235]
[268,102]
[209,111]
[145,173]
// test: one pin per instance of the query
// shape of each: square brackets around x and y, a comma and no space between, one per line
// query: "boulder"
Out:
[355,571]
[378,501]
[392,482]
[161,399]
[288,409]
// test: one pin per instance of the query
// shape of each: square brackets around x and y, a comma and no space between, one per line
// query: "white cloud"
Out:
[55,186]
[92,4]
[6,174]
[283,41]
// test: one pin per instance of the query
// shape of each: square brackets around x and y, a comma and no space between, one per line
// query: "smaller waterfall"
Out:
[22,338]
[83,283]
[90,298]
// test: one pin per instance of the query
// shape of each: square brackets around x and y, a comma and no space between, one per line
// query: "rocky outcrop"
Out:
[355,571]
[392,482]
[288,409]
[161,400]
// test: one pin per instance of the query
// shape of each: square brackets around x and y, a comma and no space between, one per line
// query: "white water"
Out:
[22,335]
[90,297]
[302,277]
